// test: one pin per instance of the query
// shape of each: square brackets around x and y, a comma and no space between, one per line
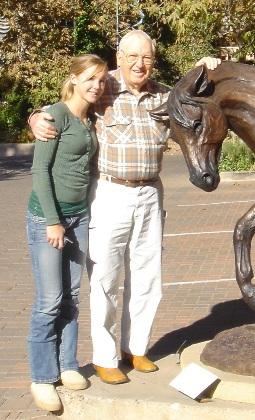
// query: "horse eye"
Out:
[197,126]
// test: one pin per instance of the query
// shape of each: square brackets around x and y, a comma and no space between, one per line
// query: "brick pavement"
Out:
[194,306]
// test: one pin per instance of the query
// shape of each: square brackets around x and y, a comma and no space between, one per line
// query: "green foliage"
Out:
[181,57]
[18,98]
[38,47]
[47,83]
[236,156]
[14,103]
[90,37]
[35,55]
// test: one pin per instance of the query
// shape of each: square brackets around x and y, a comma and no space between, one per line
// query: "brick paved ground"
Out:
[200,295]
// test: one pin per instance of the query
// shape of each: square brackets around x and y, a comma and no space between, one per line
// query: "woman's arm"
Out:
[43,186]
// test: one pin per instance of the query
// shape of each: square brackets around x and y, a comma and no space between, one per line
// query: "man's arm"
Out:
[41,127]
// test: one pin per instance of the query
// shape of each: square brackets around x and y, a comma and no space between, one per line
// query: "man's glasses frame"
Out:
[133,58]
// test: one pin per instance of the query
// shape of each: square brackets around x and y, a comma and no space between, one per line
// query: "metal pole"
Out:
[117,25]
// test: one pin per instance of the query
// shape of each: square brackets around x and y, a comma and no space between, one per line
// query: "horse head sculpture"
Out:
[198,125]
[202,107]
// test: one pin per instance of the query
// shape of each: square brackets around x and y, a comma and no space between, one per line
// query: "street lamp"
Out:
[4,27]
[140,21]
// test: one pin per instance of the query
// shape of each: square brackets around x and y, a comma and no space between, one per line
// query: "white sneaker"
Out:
[46,397]
[72,379]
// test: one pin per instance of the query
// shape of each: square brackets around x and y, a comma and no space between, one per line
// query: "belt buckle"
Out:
[106,177]
[134,183]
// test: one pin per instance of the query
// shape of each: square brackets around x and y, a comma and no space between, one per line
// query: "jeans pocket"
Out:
[36,229]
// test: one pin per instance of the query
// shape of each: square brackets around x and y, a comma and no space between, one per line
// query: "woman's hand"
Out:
[55,236]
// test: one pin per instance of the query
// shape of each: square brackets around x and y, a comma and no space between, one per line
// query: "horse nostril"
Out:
[207,179]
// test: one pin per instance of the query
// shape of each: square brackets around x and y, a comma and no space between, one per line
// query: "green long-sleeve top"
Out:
[61,167]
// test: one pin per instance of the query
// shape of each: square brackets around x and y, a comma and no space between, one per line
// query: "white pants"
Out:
[126,225]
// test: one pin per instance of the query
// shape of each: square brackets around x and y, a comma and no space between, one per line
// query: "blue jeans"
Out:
[54,329]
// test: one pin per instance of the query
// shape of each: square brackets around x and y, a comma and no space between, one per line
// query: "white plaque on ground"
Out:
[193,380]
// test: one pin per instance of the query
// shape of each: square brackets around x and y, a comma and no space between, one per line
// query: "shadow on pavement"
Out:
[14,167]
[223,316]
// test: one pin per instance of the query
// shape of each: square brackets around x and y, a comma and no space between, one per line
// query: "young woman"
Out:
[57,227]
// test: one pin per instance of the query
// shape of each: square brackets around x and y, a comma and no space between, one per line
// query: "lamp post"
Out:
[117,25]
[117,14]
[4,27]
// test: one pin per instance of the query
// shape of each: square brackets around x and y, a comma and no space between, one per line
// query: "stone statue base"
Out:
[232,387]
[232,351]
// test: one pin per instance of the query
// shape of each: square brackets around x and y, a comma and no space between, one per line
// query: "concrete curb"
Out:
[16,149]
[237,176]
[80,407]
[146,397]
[27,149]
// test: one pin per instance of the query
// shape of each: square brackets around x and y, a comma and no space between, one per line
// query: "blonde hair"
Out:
[78,65]
[137,33]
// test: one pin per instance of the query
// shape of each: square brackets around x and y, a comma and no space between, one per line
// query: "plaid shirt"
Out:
[131,143]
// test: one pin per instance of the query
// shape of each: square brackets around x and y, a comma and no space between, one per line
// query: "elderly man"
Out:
[126,208]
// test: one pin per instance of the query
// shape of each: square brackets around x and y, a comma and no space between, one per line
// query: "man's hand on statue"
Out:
[210,62]
[41,127]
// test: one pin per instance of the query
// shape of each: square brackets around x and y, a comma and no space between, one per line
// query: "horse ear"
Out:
[202,81]
[187,92]
[195,82]
[160,113]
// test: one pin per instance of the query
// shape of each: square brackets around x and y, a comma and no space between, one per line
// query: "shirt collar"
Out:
[121,87]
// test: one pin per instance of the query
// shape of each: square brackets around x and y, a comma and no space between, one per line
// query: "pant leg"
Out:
[142,288]
[74,256]
[112,211]
[47,269]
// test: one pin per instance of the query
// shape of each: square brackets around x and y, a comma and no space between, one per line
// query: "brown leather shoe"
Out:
[141,363]
[111,376]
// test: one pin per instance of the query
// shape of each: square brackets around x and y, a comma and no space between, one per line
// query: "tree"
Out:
[97,29]
[35,55]
[39,43]
[185,30]
[165,21]
[45,34]
[237,25]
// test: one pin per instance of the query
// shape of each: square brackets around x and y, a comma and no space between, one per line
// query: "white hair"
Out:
[138,34]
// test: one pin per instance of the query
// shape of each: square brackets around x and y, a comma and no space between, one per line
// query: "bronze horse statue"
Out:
[202,107]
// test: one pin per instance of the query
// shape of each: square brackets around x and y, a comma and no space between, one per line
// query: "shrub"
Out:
[19,96]
[45,84]
[235,155]
[14,105]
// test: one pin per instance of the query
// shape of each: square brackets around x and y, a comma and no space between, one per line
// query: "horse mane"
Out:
[180,96]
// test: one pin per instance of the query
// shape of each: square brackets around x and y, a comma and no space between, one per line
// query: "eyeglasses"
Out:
[133,58]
